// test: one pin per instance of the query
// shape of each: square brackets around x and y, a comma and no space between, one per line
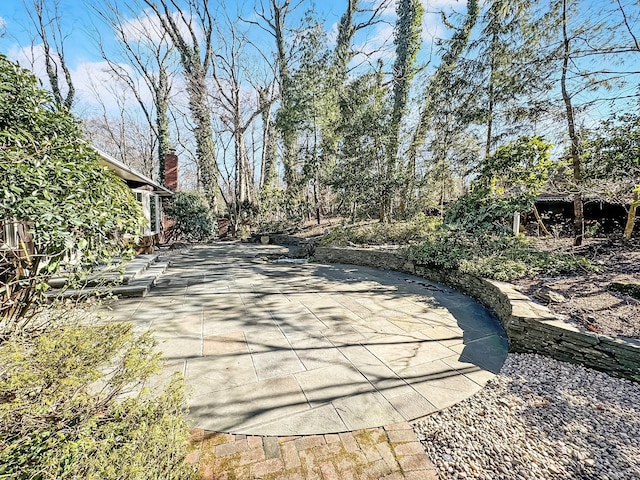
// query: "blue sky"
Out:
[80,25]
[89,70]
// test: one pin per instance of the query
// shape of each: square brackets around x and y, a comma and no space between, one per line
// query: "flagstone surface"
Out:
[289,349]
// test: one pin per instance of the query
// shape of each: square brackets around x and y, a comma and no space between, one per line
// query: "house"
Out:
[149,193]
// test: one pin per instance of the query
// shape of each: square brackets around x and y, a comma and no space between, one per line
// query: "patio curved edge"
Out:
[530,327]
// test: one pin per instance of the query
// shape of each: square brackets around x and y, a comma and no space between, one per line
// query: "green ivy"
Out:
[399,233]
[500,257]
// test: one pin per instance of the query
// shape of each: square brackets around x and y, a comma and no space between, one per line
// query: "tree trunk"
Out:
[162,119]
[578,207]
[205,148]
[267,170]
[631,216]
[578,225]
[487,151]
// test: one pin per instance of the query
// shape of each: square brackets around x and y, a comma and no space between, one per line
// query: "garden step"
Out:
[120,273]
[140,278]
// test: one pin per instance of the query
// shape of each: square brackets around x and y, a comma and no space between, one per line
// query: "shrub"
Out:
[50,179]
[500,257]
[398,233]
[192,217]
[72,407]
[279,211]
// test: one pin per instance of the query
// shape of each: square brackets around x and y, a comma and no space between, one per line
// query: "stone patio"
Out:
[285,349]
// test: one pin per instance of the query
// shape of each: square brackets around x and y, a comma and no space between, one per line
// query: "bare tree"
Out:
[115,130]
[149,56]
[190,28]
[45,17]
[232,78]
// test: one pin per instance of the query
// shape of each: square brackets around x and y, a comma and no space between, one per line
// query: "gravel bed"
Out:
[539,419]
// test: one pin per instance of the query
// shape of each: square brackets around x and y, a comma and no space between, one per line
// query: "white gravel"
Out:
[539,419]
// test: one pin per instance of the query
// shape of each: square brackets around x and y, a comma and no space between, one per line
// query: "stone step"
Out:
[141,277]
[119,273]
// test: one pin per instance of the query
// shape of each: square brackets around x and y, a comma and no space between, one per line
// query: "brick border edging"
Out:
[392,452]
[530,327]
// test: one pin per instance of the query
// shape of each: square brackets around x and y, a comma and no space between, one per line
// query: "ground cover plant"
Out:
[377,233]
[498,256]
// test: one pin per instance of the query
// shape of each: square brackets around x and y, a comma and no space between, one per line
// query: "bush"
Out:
[500,257]
[50,179]
[72,407]
[279,211]
[192,217]
[399,233]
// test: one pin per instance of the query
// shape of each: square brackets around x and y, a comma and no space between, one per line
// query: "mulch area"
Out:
[589,304]
[385,453]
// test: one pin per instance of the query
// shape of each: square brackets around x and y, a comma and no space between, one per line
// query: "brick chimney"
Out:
[171,170]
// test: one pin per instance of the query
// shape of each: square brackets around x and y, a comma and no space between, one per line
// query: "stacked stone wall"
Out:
[531,327]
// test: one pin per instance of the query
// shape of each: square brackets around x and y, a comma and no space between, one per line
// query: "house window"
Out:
[10,239]
[151,209]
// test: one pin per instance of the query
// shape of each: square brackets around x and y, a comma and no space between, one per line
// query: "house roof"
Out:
[129,175]
[568,198]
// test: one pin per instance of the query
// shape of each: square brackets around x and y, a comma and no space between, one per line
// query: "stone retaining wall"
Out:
[531,327]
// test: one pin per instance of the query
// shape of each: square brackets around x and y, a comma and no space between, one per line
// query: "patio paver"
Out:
[280,349]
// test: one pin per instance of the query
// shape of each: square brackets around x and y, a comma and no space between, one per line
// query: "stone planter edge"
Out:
[530,327]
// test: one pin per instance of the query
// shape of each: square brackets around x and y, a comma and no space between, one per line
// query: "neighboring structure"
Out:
[609,214]
[149,193]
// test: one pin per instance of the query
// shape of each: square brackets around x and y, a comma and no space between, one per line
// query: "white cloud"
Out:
[147,27]
[3,24]
[94,82]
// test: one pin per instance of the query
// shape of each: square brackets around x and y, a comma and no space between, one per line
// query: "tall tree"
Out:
[362,156]
[234,99]
[574,149]
[273,21]
[586,36]
[268,173]
[407,38]
[148,55]
[437,83]
[190,28]
[506,70]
